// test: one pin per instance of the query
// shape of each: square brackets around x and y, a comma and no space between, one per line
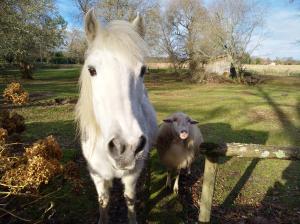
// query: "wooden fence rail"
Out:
[212,151]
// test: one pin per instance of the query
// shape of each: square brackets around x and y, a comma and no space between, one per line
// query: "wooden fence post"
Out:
[208,187]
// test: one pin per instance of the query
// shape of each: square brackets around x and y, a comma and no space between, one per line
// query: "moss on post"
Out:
[250,151]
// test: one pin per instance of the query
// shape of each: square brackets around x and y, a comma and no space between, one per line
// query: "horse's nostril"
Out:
[122,149]
[111,144]
[115,148]
[141,144]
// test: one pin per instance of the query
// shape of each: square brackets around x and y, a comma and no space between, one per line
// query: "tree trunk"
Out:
[197,73]
[26,70]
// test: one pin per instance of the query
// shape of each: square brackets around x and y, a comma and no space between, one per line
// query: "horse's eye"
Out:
[143,71]
[92,70]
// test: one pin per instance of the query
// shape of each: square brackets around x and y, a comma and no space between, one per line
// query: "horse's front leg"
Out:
[129,194]
[102,187]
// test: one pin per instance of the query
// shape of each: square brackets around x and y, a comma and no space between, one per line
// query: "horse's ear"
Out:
[139,25]
[91,25]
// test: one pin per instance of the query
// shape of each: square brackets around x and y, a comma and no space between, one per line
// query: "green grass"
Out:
[267,114]
[49,82]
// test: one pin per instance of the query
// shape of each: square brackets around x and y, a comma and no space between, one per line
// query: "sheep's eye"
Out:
[143,71]
[175,119]
[92,70]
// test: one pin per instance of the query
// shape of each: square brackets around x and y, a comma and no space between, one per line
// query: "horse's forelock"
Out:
[120,38]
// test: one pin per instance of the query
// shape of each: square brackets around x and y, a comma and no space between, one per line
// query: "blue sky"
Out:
[69,11]
[282,26]
[282,30]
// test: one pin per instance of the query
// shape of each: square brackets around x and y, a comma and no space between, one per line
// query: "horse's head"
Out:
[112,79]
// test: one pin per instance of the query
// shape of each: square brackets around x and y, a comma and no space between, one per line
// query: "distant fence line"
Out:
[213,151]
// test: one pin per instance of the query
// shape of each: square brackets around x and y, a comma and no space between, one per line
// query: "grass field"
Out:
[269,70]
[277,70]
[266,114]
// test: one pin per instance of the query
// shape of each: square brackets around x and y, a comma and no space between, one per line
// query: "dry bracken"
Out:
[12,122]
[41,163]
[72,174]
[3,136]
[47,148]
[15,94]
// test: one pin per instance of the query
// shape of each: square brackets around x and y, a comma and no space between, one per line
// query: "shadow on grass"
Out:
[229,200]
[290,129]
[63,131]
[282,200]
[223,133]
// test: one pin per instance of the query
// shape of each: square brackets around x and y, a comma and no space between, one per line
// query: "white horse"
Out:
[116,120]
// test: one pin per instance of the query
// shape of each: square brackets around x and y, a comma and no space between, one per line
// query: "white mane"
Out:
[124,42]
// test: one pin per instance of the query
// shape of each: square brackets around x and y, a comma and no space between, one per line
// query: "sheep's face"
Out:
[181,124]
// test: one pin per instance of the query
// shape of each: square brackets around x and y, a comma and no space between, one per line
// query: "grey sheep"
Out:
[178,143]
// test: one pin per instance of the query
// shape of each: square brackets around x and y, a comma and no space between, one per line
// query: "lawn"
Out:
[267,114]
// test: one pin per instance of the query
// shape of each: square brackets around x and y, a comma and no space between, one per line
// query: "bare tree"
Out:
[109,10]
[185,36]
[76,45]
[234,24]
[84,5]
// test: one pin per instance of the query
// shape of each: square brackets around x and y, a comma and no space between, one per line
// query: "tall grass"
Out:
[275,70]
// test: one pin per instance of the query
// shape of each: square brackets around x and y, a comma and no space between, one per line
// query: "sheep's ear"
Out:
[91,25]
[168,120]
[139,25]
[194,122]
